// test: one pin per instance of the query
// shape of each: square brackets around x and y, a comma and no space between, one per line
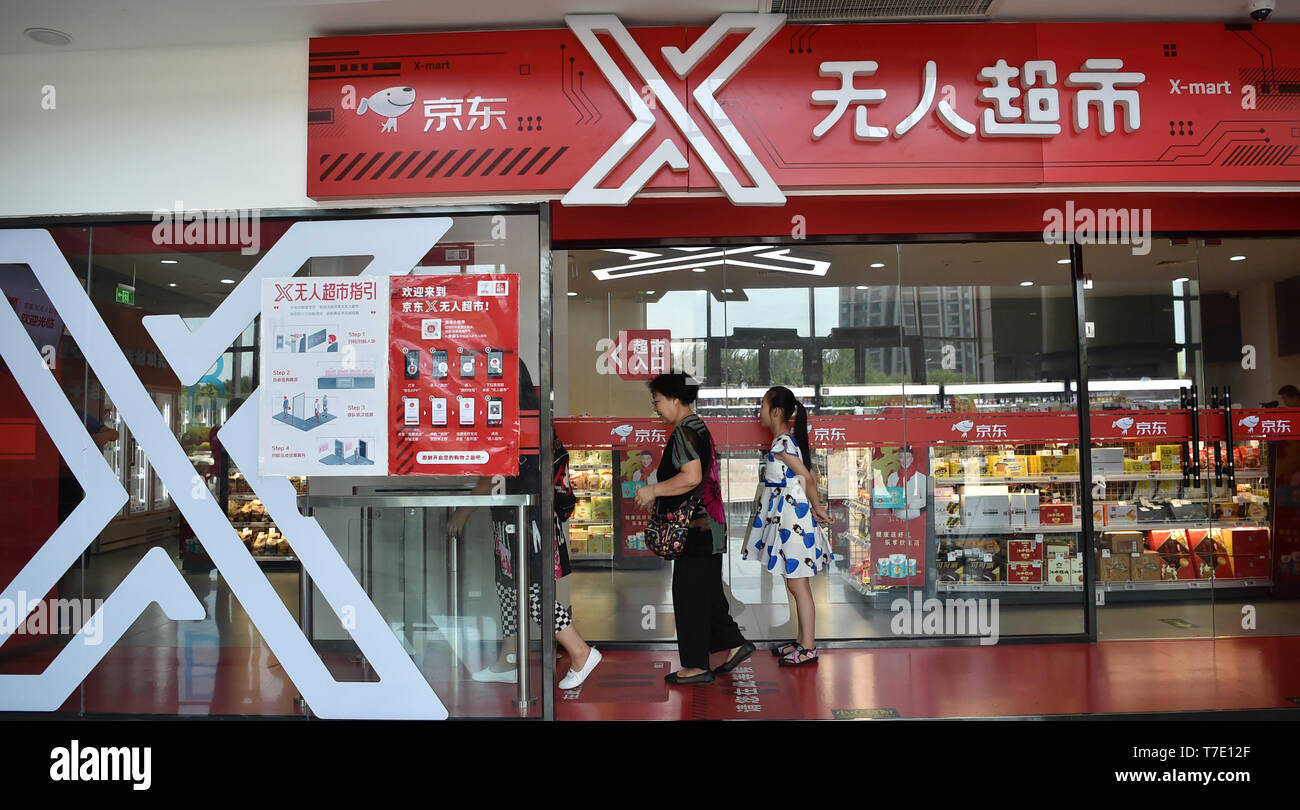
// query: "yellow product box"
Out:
[1171,456]
[1033,464]
[1136,466]
[1068,463]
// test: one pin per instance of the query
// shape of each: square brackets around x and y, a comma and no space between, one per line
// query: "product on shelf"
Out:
[1056,514]
[1025,572]
[1148,567]
[986,507]
[1175,553]
[1211,554]
[1115,567]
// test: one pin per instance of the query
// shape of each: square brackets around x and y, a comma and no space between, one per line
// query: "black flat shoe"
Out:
[746,650]
[703,678]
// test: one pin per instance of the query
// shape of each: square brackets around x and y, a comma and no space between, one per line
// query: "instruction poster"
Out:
[324,376]
[454,375]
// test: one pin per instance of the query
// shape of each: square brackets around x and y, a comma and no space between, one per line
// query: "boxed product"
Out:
[1123,542]
[1023,551]
[1056,514]
[1107,460]
[1171,456]
[1246,541]
[1228,510]
[1175,553]
[1132,465]
[1058,548]
[1076,570]
[1154,513]
[1115,567]
[1212,557]
[1058,572]
[1024,572]
[1054,465]
[1188,510]
[1024,509]
[1147,567]
[1257,511]
[949,563]
[1121,514]
[1250,566]
[986,507]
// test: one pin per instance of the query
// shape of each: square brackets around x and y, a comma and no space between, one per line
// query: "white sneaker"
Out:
[574,679]
[488,675]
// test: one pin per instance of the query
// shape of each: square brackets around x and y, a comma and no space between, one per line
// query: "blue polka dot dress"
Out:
[783,534]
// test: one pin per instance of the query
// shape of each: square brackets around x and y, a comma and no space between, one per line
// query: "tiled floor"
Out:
[221,665]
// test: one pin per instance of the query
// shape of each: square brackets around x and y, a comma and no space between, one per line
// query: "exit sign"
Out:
[126,294]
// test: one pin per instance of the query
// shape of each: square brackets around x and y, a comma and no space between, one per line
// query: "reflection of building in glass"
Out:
[945,315]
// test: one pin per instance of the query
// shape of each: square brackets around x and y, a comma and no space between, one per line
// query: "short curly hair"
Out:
[676,386]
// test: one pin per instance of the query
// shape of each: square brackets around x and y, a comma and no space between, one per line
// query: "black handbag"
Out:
[665,534]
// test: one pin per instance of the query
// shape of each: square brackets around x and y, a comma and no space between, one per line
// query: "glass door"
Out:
[1153,489]
[1247,294]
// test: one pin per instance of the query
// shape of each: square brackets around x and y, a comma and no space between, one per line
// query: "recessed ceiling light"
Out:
[1026,284]
[878,264]
[227,281]
[171,284]
[702,292]
[573,295]
[728,291]
[1236,258]
[1062,261]
[698,270]
[861,287]
[47,36]
[169,261]
[1182,280]
[649,292]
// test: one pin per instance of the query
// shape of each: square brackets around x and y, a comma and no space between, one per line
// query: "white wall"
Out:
[135,131]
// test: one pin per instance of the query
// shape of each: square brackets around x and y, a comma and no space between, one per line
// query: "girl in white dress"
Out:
[788,531]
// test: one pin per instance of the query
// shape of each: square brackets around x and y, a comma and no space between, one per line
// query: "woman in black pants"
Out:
[704,623]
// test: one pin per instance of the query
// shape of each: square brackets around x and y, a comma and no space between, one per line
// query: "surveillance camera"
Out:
[1261,9]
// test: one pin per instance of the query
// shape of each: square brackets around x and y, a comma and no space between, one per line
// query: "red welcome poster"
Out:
[454,375]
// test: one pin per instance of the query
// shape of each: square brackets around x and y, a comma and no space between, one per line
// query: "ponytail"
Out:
[801,433]
[783,399]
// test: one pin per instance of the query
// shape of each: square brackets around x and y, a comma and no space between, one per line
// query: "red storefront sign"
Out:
[1158,427]
[454,375]
[597,113]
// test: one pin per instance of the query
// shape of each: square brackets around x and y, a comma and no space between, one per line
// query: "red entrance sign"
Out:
[454,375]
[842,106]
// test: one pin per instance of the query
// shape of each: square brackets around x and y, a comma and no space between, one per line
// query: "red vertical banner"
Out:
[637,470]
[1286,514]
[454,375]
[900,484]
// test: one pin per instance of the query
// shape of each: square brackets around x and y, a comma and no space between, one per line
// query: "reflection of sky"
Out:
[682,312]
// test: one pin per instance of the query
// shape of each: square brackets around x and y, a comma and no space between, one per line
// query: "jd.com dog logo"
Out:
[397,246]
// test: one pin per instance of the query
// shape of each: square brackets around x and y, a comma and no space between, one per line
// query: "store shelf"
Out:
[275,558]
[1017,587]
[593,493]
[958,531]
[601,555]
[244,496]
[602,467]
[591,522]
[860,507]
[1192,523]
[255,524]
[1187,585]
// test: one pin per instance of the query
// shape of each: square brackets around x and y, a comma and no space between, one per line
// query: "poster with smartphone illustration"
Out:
[454,374]
[324,376]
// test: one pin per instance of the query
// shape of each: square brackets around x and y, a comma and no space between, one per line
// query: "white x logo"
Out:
[760,28]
